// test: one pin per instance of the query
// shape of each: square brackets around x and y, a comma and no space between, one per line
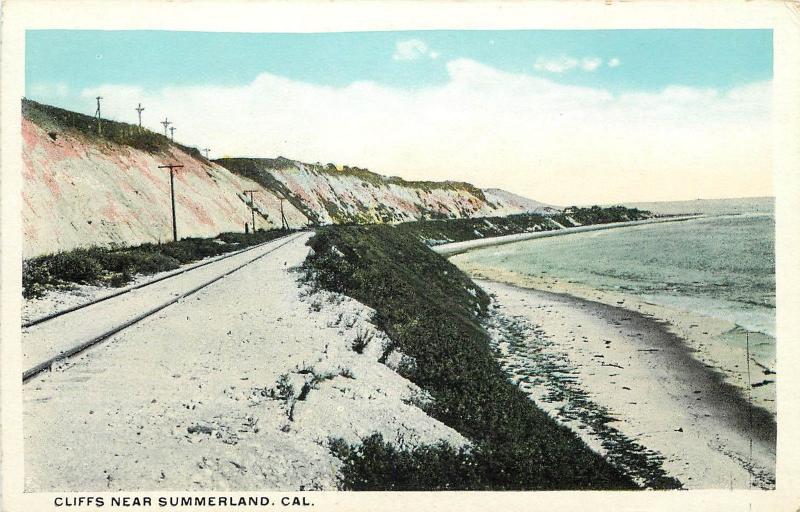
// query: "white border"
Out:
[244,16]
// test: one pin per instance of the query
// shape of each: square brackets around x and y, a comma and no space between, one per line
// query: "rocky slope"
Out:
[85,188]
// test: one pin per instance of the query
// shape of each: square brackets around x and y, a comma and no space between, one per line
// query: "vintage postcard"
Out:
[266,255]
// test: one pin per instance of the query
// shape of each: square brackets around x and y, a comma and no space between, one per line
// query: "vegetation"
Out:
[432,312]
[118,266]
[54,119]
[257,169]
[436,232]
[598,215]
[375,465]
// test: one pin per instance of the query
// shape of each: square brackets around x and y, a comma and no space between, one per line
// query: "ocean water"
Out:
[722,266]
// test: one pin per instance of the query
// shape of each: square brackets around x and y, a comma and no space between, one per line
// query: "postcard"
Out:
[400,255]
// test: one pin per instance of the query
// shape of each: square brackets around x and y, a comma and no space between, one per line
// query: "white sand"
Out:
[577,356]
[182,400]
[701,333]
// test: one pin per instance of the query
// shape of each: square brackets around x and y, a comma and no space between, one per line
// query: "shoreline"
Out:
[454,248]
[706,337]
[632,389]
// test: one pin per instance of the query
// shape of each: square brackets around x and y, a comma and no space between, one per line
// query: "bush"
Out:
[35,278]
[432,312]
[117,267]
[78,266]
[143,262]
[375,465]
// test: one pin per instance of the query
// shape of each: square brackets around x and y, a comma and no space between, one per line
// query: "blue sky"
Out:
[648,59]
[561,116]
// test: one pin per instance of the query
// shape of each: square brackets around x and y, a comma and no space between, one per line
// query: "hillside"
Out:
[81,189]
[336,195]
[84,188]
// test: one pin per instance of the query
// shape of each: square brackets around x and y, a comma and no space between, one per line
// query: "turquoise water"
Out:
[722,267]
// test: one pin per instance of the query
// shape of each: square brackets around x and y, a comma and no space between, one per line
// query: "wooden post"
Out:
[172,168]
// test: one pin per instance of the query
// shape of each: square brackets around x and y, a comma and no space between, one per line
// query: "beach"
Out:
[632,390]
[662,391]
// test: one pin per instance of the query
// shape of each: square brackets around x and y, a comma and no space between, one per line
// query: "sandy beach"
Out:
[630,383]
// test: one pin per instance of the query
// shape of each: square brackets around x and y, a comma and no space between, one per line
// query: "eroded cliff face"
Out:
[81,188]
[328,194]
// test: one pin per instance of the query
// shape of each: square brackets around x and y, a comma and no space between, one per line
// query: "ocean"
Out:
[721,266]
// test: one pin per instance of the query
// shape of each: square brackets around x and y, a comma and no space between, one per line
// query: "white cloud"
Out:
[413,49]
[591,63]
[614,62]
[549,141]
[555,65]
[564,63]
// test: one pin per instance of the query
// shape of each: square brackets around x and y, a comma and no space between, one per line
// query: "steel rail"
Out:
[129,289]
[48,364]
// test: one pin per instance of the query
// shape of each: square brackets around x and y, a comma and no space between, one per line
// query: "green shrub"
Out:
[78,266]
[432,312]
[138,262]
[375,465]
[35,278]
[117,267]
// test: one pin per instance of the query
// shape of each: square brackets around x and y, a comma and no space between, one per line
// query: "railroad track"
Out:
[187,268]
[44,362]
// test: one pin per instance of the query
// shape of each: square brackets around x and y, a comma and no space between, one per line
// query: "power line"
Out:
[97,115]
[172,168]
[284,222]
[166,122]
[252,207]
[139,109]
[749,405]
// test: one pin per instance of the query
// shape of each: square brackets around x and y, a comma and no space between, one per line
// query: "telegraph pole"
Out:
[172,133]
[166,122]
[139,110]
[172,168]
[252,207]
[206,150]
[97,115]
[284,222]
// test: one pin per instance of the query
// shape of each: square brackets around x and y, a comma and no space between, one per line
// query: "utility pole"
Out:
[172,168]
[172,133]
[139,110]
[206,150]
[97,115]
[749,402]
[166,122]
[284,222]
[252,207]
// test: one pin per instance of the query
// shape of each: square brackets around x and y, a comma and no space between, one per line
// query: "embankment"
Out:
[432,312]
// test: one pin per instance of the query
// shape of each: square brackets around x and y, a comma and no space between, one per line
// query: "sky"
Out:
[566,117]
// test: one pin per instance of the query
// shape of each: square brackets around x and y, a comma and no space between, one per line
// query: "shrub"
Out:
[137,261]
[432,312]
[361,341]
[117,266]
[35,278]
[78,266]
[283,389]
[375,465]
